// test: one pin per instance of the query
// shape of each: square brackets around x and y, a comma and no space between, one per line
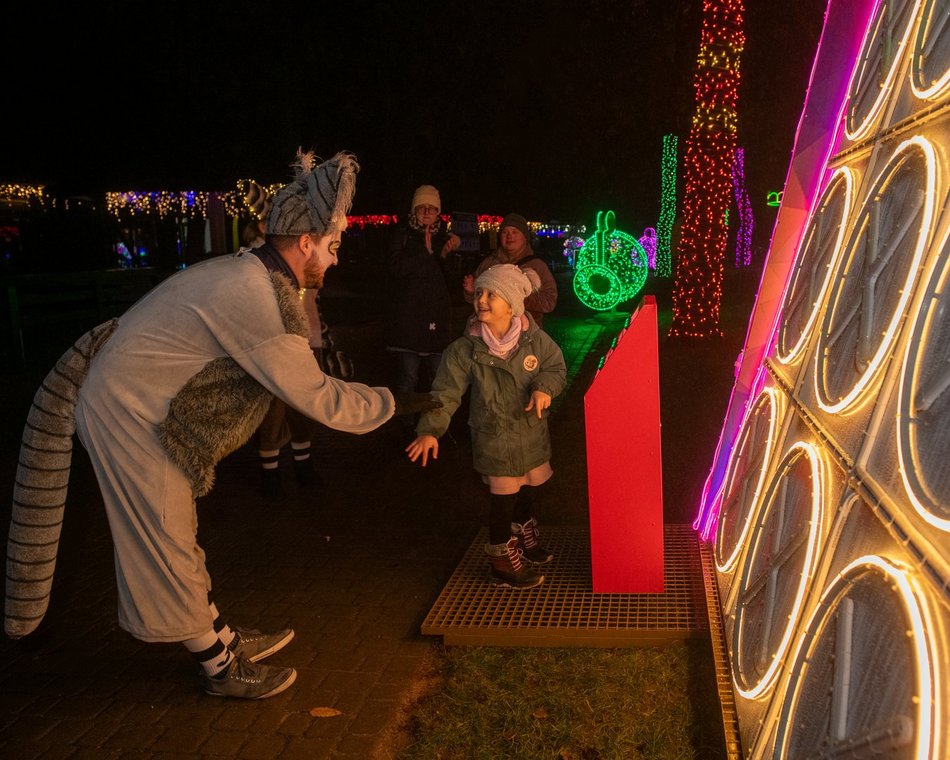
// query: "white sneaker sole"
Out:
[275,648]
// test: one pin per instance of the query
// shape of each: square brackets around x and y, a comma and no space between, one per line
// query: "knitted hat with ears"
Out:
[511,283]
[317,199]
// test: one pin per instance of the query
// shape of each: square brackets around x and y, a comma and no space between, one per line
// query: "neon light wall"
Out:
[827,505]
[817,137]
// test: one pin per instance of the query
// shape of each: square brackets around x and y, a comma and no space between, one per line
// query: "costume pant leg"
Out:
[162,580]
[301,427]
[273,432]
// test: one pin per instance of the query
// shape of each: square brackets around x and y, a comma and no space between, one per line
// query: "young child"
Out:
[514,370]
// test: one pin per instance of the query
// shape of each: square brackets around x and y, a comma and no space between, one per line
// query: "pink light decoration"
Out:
[648,242]
[746,223]
[819,133]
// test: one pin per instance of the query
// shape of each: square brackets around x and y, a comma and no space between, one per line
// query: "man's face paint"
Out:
[323,256]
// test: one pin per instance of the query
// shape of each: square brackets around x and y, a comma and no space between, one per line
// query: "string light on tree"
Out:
[664,225]
[708,161]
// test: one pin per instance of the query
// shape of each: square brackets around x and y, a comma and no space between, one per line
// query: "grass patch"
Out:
[569,704]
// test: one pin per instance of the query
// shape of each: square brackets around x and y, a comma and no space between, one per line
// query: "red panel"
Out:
[624,472]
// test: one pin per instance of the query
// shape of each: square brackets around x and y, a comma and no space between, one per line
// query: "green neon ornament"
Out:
[610,267]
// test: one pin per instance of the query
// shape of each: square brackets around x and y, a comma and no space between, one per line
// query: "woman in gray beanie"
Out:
[514,370]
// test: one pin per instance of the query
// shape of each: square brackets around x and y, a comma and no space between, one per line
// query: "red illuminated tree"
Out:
[708,159]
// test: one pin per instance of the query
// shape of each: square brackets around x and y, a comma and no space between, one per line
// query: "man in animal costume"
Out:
[162,394]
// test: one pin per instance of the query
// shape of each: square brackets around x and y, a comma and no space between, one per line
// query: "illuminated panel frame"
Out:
[816,462]
[844,176]
[937,280]
[863,70]
[929,701]
[775,403]
[864,381]
[817,138]
[928,18]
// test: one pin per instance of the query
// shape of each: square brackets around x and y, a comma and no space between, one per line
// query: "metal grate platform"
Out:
[564,610]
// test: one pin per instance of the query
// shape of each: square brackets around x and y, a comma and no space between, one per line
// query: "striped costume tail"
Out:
[39,494]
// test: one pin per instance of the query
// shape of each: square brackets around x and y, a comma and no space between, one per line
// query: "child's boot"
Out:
[506,567]
[528,534]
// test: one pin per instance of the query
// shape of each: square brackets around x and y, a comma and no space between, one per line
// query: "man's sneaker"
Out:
[307,476]
[255,646]
[246,680]
[528,535]
[272,486]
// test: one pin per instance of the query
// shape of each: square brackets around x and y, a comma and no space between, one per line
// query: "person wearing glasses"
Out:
[418,325]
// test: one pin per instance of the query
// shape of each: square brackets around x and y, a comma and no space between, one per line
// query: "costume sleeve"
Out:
[553,375]
[286,366]
[545,299]
[450,384]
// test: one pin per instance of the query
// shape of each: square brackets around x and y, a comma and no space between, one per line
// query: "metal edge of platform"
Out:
[727,698]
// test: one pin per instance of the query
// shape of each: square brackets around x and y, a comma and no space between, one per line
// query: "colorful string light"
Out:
[611,266]
[746,222]
[664,225]
[648,244]
[708,159]
[13,194]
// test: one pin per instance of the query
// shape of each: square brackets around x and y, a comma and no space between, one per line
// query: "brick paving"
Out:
[353,569]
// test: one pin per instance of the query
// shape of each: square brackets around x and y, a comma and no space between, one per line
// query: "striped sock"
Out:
[225,634]
[213,656]
[269,459]
[301,450]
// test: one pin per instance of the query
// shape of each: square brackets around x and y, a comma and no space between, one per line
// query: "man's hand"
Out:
[468,284]
[422,446]
[539,401]
[409,402]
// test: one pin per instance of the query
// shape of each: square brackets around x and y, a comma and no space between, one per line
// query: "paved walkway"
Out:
[353,569]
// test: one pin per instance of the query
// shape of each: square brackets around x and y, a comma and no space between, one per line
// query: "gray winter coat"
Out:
[506,440]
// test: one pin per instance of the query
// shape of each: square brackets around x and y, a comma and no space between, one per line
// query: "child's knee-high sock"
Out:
[524,506]
[499,517]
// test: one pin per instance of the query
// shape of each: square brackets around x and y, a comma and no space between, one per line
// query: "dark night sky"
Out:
[554,109]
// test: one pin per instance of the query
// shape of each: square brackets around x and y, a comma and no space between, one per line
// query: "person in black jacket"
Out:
[418,324]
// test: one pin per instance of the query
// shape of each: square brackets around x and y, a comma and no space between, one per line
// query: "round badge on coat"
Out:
[530,363]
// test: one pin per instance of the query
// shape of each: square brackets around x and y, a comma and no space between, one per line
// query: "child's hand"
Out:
[422,446]
[539,402]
